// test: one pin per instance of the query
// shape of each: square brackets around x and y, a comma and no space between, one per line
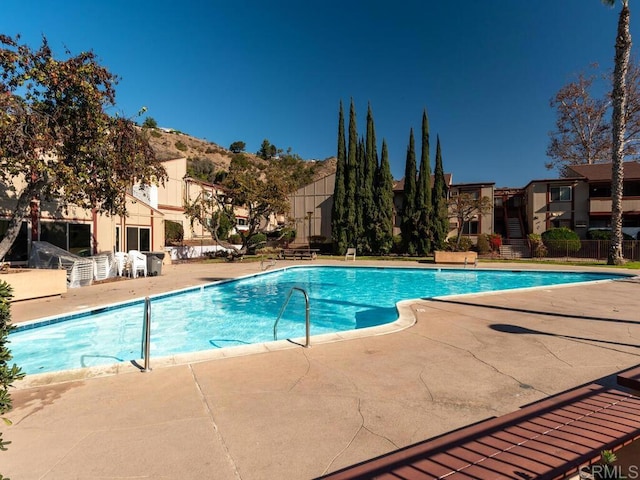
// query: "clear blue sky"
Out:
[228,70]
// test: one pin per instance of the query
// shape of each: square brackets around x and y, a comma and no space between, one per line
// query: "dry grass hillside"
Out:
[171,144]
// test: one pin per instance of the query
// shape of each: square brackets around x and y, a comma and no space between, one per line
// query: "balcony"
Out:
[603,205]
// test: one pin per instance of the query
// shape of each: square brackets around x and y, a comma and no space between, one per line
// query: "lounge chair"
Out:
[351,252]
[138,263]
[122,263]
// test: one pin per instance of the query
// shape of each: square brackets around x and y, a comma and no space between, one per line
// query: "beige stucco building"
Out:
[86,232]
[481,223]
[310,209]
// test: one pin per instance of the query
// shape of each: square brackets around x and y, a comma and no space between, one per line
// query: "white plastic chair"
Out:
[351,252]
[138,263]
[122,263]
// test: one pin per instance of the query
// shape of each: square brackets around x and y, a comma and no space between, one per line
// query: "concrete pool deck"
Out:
[300,413]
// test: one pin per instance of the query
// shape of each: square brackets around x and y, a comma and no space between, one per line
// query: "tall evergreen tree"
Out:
[338,209]
[383,195]
[408,220]
[369,211]
[423,194]
[361,187]
[350,180]
[440,222]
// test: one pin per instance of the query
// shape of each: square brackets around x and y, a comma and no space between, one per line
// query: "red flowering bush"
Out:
[495,240]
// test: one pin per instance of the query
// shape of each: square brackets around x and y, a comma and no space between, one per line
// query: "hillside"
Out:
[171,144]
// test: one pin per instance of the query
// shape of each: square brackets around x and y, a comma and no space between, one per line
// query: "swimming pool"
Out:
[243,311]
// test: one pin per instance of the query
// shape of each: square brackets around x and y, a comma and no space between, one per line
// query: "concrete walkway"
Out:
[299,413]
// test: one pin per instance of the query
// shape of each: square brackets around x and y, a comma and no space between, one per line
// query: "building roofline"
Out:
[136,200]
[473,184]
[556,180]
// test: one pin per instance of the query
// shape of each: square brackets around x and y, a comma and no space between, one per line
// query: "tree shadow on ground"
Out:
[534,312]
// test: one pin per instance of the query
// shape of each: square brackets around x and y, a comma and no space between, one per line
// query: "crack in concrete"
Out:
[553,354]
[493,367]
[349,443]
[360,428]
[425,383]
[631,335]
[73,447]
[301,377]
[216,430]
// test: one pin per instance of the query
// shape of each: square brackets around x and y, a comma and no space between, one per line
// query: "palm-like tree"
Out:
[618,125]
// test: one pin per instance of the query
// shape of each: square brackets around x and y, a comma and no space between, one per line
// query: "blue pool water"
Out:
[243,311]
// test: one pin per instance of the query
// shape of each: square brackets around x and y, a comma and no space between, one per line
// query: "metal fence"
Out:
[591,249]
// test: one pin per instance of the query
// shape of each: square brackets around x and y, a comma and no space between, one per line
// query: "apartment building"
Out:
[579,201]
[311,205]
[86,232]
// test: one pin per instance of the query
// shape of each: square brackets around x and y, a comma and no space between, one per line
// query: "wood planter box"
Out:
[35,283]
[455,257]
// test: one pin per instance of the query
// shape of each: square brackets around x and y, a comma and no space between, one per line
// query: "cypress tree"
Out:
[383,196]
[350,180]
[408,220]
[360,240]
[440,222]
[338,212]
[369,211]
[423,194]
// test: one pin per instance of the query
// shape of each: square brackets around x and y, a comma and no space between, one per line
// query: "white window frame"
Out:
[148,229]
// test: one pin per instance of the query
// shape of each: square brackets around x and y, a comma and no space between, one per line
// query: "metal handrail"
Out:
[146,334]
[284,306]
[264,265]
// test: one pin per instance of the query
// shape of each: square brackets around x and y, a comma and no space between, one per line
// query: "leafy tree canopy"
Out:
[261,190]
[56,140]
[9,372]
[237,147]
[296,168]
[267,150]
[150,122]
[583,134]
[204,169]
[464,207]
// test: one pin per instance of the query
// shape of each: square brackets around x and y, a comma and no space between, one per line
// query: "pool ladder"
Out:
[284,306]
[146,334]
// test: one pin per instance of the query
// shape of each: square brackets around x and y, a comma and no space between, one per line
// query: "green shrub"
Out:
[282,236]
[224,225]
[317,239]
[465,244]
[285,234]
[538,249]
[155,133]
[235,239]
[321,243]
[150,122]
[562,239]
[599,235]
[483,246]
[605,234]
[8,374]
[256,241]
[214,149]
[398,246]
[181,146]
[173,233]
